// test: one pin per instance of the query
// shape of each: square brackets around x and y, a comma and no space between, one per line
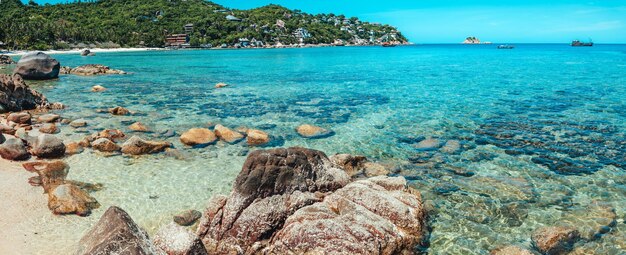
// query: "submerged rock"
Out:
[14,149]
[48,118]
[227,135]
[510,250]
[591,221]
[49,128]
[198,136]
[118,110]
[115,233]
[15,95]
[221,85]
[94,69]
[176,240]
[257,137]
[105,145]
[138,127]
[78,123]
[554,240]
[313,132]
[187,218]
[37,66]
[48,146]
[138,146]
[428,144]
[70,199]
[353,165]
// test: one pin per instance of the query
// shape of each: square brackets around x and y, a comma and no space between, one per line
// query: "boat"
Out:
[506,46]
[387,44]
[577,43]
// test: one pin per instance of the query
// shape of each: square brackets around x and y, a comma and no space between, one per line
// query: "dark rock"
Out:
[115,233]
[85,52]
[37,66]
[48,146]
[353,165]
[16,96]
[187,218]
[14,149]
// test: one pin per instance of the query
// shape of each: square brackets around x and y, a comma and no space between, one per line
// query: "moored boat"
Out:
[506,46]
[577,43]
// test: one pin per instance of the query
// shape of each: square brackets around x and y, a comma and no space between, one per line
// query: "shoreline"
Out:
[78,51]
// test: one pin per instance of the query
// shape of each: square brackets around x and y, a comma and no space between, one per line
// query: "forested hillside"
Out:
[132,23]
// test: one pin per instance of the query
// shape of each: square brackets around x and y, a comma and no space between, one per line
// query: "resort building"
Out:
[188,28]
[301,34]
[177,40]
[232,18]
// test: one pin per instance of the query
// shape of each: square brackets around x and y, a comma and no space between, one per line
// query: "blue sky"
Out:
[450,21]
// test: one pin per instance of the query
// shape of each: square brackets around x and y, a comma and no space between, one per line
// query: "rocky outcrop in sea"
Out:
[37,66]
[16,96]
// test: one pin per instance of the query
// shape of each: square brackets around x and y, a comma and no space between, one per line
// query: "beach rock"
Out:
[98,88]
[5,129]
[371,169]
[198,136]
[48,118]
[105,145]
[48,146]
[50,174]
[257,137]
[187,218]
[138,127]
[176,240]
[94,69]
[37,66]
[353,165]
[271,185]
[313,132]
[388,217]
[16,96]
[510,250]
[20,118]
[78,123]
[111,134]
[6,60]
[221,85]
[73,148]
[115,233]
[85,52]
[70,199]
[227,135]
[118,110]
[451,147]
[49,128]
[14,149]
[554,240]
[65,70]
[428,144]
[138,146]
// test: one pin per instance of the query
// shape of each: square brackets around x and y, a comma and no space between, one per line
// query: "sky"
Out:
[450,21]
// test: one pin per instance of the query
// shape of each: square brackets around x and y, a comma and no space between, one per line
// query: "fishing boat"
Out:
[506,47]
[577,43]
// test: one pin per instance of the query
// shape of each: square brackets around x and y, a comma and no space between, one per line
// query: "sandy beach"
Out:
[78,51]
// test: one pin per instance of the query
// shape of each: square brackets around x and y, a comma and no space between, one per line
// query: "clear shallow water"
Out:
[518,114]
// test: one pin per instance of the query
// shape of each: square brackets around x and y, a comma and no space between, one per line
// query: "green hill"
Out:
[132,23]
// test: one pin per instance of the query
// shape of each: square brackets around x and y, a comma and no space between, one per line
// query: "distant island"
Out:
[474,40]
[177,23]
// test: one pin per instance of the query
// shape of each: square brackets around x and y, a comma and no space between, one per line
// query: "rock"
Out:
[174,153]
[37,66]
[118,110]
[78,123]
[227,135]
[257,137]
[115,233]
[85,52]
[313,132]
[220,85]
[353,165]
[6,60]
[241,129]
[73,148]
[187,218]
[451,146]
[94,69]
[176,240]
[20,118]
[4,129]
[70,199]
[98,88]
[2,138]
[49,128]
[65,70]
[198,136]
[591,221]
[50,174]
[138,146]
[139,127]
[48,146]
[48,118]
[271,185]
[428,144]
[14,149]
[105,145]
[16,96]
[372,169]
[510,250]
[111,134]
[554,240]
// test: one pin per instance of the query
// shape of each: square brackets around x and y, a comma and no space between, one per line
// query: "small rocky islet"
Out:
[304,193]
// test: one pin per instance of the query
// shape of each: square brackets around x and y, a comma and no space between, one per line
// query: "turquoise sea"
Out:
[542,130]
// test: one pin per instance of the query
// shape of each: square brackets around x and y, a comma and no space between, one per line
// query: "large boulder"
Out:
[295,201]
[20,118]
[138,146]
[115,233]
[14,149]
[198,137]
[15,95]
[70,199]
[176,240]
[94,69]
[48,146]
[37,66]
[105,145]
